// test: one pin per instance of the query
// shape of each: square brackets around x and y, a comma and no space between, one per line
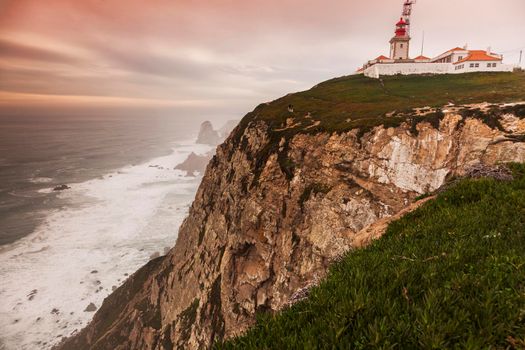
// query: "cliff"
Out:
[445,276]
[289,192]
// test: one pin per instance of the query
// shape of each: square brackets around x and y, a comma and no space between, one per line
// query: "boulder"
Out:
[90,308]
[61,188]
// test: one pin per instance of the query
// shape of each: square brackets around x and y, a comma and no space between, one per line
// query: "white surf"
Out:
[111,227]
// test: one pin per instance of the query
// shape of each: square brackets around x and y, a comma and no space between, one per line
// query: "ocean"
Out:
[63,252]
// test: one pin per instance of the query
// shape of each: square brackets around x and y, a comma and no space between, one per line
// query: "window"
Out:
[401,45]
[472,65]
[489,65]
[494,64]
[460,58]
[477,65]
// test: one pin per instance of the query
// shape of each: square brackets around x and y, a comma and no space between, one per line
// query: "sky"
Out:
[216,57]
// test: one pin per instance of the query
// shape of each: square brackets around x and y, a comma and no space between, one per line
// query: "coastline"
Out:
[67,265]
[39,153]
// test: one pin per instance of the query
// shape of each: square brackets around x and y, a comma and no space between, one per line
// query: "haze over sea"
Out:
[61,251]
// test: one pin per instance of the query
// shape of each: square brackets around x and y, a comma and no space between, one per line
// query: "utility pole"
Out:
[521,55]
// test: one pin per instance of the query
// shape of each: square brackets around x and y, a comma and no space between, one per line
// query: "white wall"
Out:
[454,56]
[406,69]
[483,67]
[378,70]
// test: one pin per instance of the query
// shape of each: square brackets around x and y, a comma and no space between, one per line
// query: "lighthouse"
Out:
[400,43]
[454,61]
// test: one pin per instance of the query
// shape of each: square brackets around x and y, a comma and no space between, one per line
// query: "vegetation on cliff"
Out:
[359,103]
[354,102]
[282,199]
[448,275]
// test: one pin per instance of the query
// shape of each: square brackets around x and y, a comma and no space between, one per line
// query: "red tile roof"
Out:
[478,55]
[382,57]
[421,57]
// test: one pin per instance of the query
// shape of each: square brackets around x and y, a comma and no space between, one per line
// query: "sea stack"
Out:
[208,135]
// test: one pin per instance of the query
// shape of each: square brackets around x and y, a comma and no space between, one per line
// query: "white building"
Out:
[455,61]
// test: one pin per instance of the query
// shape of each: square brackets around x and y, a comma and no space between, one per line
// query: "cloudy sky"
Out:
[216,57]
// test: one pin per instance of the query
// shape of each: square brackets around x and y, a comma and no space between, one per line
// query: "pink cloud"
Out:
[244,52]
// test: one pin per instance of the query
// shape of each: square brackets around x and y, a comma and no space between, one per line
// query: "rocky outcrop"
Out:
[270,216]
[208,135]
[195,163]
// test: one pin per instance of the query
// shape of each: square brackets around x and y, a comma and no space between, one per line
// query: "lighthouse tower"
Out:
[400,43]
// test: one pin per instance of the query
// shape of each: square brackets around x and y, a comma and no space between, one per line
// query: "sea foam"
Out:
[111,227]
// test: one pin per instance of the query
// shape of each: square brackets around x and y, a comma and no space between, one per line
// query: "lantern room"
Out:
[400,43]
[401,28]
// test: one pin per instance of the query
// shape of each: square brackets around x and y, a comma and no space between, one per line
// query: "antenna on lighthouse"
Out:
[423,44]
[407,12]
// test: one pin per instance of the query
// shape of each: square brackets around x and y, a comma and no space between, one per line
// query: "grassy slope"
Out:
[357,102]
[449,275]
[365,101]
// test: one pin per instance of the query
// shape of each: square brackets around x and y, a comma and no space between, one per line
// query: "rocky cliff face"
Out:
[270,216]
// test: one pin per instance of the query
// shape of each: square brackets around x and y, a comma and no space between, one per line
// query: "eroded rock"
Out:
[264,226]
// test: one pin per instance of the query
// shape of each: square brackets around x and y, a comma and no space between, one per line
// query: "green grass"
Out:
[450,275]
[365,101]
[358,102]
